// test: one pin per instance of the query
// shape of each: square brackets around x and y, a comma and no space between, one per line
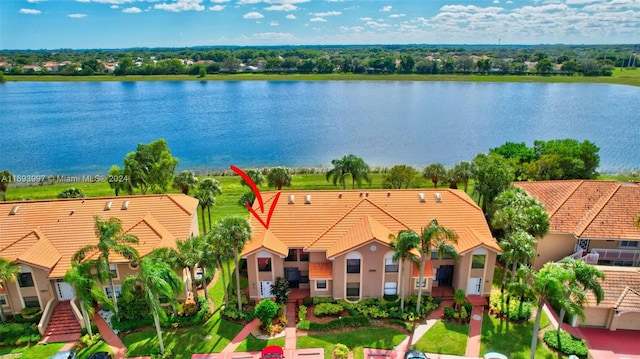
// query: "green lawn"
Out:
[100,347]
[251,344]
[512,339]
[34,351]
[444,338]
[211,337]
[356,340]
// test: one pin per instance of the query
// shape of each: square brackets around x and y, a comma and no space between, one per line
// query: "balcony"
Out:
[627,255]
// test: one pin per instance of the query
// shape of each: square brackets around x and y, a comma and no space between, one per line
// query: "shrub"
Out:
[167,355]
[449,312]
[87,341]
[468,306]
[232,313]
[390,298]
[132,309]
[302,313]
[94,329]
[197,318]
[340,351]
[307,301]
[463,313]
[280,289]
[30,311]
[516,311]
[320,300]
[189,309]
[346,322]
[569,344]
[15,334]
[266,310]
[327,309]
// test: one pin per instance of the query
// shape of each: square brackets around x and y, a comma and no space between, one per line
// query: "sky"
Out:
[84,24]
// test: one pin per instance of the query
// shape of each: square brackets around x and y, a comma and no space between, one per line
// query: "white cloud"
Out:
[377,25]
[328,13]
[386,8]
[249,2]
[132,10]
[470,8]
[83,0]
[290,17]
[220,1]
[35,1]
[117,2]
[253,15]
[181,5]
[274,23]
[281,7]
[77,16]
[580,2]
[274,37]
[366,18]
[30,11]
[319,19]
[396,15]
[114,7]
[217,7]
[496,1]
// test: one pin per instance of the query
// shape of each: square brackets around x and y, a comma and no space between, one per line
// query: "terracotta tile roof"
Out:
[428,270]
[621,287]
[265,240]
[336,221]
[589,209]
[48,233]
[323,270]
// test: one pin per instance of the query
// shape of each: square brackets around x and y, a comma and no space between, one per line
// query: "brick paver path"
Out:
[118,348]
[475,329]
[244,333]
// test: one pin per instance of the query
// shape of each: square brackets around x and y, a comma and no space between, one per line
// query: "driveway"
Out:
[605,344]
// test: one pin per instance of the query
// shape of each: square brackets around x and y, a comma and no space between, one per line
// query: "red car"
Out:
[272,352]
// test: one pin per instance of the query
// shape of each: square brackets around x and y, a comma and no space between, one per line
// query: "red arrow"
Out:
[256,191]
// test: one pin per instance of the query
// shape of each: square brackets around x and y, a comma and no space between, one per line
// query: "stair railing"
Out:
[46,314]
[77,313]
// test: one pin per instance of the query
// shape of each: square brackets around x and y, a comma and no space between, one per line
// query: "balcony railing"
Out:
[632,255]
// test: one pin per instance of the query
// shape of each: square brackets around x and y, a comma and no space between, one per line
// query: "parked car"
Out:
[494,355]
[100,355]
[272,352]
[414,354]
[67,354]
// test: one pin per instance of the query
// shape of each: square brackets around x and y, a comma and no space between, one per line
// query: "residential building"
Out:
[42,236]
[590,220]
[620,308]
[337,243]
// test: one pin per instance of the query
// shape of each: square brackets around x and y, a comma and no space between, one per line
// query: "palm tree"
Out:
[8,273]
[236,231]
[434,235]
[435,172]
[586,279]
[185,181]
[222,253]
[339,172]
[514,210]
[6,177]
[279,177]
[205,199]
[522,250]
[190,254]
[208,189]
[111,239]
[458,298]
[87,291]
[358,170]
[155,280]
[402,245]
[256,177]
[464,172]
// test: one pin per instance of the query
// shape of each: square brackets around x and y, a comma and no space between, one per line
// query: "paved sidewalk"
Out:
[235,342]
[417,334]
[475,330]
[117,346]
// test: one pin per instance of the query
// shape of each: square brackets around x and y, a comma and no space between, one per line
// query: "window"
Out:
[3,300]
[264,264]
[623,263]
[25,280]
[434,256]
[31,302]
[304,276]
[424,282]
[353,290]
[477,261]
[390,266]
[113,270]
[304,256]
[390,288]
[292,256]
[353,265]
[633,244]
[321,284]
[107,291]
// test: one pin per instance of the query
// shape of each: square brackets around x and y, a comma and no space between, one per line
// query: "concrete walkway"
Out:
[475,330]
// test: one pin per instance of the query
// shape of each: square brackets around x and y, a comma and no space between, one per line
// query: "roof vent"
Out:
[14,210]
[125,205]
[340,195]
[107,206]
[388,193]
[366,194]
[307,199]
[360,194]
[292,199]
[72,212]
[438,197]
[421,197]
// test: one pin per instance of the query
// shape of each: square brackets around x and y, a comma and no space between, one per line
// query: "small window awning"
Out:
[321,270]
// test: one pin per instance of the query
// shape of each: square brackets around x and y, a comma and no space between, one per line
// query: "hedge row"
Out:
[569,344]
[345,322]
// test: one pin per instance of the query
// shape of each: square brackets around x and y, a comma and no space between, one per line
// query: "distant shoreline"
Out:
[613,80]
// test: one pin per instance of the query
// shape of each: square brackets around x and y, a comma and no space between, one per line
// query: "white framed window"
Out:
[353,290]
[629,244]
[390,265]
[3,299]
[113,268]
[390,288]
[321,284]
[353,263]
[107,290]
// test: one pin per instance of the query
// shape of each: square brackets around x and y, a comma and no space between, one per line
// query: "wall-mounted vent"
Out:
[421,197]
[125,205]
[292,199]
[438,197]
[307,199]
[107,206]
[14,210]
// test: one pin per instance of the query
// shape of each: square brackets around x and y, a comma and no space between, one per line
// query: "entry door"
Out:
[475,286]
[444,276]
[293,277]
[65,291]
[265,289]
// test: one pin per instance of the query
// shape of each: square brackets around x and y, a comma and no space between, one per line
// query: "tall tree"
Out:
[586,279]
[494,176]
[6,178]
[155,280]
[87,291]
[435,172]
[402,245]
[119,181]
[358,170]
[222,253]
[256,177]
[400,176]
[348,165]
[111,239]
[8,273]
[442,239]
[279,177]
[514,210]
[150,167]
[237,232]
[190,253]
[208,189]
[464,172]
[185,181]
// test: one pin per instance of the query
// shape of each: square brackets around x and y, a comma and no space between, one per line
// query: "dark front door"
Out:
[445,276]
[293,276]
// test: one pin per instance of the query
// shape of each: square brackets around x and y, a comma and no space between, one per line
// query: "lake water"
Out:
[86,127]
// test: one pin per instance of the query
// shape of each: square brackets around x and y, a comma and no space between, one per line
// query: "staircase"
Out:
[63,325]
